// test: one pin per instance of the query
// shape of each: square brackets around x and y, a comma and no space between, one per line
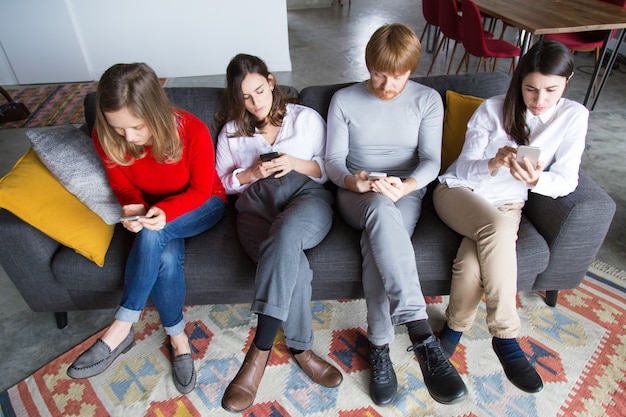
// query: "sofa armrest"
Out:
[26,255]
[574,227]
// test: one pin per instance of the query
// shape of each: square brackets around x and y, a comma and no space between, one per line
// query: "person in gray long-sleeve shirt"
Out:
[389,124]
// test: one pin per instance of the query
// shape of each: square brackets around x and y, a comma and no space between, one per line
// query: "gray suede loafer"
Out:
[184,372]
[98,357]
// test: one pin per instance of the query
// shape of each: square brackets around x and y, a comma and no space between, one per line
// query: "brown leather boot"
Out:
[320,371]
[240,393]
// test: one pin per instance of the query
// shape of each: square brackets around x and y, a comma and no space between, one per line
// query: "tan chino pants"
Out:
[486,261]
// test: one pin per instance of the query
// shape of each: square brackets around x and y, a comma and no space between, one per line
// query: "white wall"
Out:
[177,38]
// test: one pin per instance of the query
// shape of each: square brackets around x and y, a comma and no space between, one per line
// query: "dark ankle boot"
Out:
[440,377]
[241,392]
[320,371]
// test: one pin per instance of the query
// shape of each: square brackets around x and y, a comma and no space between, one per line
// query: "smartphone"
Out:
[265,157]
[376,176]
[530,152]
[128,218]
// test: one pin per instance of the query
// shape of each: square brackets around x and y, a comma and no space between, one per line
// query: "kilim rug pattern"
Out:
[51,104]
[577,347]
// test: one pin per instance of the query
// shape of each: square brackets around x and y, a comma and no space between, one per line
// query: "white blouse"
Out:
[302,135]
[560,133]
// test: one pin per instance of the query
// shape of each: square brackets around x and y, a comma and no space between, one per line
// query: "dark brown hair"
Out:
[233,105]
[546,57]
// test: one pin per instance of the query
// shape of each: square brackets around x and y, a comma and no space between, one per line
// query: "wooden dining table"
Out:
[542,17]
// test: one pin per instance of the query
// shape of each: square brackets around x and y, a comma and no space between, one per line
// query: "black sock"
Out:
[266,331]
[295,351]
[419,330]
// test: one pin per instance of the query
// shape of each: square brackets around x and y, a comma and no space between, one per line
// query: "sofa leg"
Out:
[551,297]
[61,319]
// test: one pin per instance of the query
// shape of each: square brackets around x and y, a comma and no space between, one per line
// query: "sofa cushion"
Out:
[70,156]
[32,193]
[484,85]
[459,110]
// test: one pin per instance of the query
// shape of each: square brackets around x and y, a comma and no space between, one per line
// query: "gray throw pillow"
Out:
[70,156]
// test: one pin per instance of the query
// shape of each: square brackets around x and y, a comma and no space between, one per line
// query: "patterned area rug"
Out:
[51,104]
[578,348]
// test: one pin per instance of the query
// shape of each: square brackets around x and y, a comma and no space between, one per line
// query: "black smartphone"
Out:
[269,156]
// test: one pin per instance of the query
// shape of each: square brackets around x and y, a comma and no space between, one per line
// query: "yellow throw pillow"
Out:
[459,109]
[31,193]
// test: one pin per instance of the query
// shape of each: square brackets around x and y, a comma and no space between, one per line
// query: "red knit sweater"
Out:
[175,188]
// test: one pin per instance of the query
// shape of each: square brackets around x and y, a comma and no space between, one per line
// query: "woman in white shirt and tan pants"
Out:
[482,194]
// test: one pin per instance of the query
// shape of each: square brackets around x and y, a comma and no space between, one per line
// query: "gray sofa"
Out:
[558,238]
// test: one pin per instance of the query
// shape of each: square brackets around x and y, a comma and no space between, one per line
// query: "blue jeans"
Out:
[155,267]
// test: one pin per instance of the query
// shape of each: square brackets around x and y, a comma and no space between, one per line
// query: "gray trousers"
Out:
[392,289]
[277,220]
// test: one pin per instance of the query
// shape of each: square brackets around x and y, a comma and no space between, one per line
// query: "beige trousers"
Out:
[486,261]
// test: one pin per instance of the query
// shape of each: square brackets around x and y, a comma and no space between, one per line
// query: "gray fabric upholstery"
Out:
[558,239]
[574,228]
[486,85]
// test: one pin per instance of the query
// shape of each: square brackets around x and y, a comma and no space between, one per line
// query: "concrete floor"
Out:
[327,46]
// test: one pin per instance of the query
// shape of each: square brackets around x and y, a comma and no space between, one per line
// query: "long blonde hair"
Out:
[136,88]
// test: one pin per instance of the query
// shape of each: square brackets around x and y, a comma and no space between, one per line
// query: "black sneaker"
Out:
[441,378]
[383,382]
[520,372]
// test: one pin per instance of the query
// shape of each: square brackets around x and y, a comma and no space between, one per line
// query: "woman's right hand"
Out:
[502,159]
[255,172]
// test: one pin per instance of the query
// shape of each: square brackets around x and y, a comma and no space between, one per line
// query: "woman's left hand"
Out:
[284,163]
[155,219]
[525,171]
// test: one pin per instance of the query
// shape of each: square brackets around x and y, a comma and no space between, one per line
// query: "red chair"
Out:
[450,26]
[476,44]
[430,10]
[585,41]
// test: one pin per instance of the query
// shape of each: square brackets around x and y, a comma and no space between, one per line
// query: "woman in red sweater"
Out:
[160,164]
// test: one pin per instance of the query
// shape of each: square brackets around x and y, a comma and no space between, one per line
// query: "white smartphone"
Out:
[530,152]
[376,176]
[128,218]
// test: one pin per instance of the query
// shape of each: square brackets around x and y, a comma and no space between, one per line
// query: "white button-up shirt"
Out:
[560,133]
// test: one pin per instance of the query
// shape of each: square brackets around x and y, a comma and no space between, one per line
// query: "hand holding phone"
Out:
[373,176]
[265,157]
[530,152]
[130,218]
